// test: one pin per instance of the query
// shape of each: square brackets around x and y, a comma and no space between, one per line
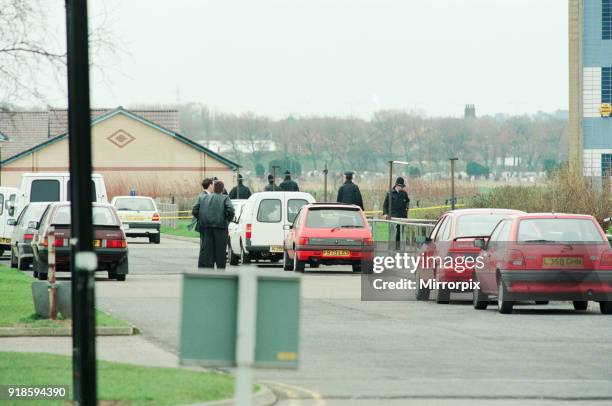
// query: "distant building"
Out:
[470,111]
[590,69]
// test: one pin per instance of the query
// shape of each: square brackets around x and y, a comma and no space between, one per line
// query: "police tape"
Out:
[417,208]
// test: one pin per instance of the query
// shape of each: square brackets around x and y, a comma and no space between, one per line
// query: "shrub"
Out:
[476,169]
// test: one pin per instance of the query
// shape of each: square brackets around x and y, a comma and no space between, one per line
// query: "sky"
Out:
[336,57]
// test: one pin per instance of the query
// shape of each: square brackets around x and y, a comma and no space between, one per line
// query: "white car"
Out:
[139,216]
[260,232]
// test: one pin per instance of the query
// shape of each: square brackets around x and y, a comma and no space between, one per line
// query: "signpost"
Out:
[247,319]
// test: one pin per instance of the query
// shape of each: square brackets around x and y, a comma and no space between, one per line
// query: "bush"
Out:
[414,171]
[476,169]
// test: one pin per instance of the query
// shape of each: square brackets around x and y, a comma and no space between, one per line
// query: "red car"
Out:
[329,234]
[545,257]
[451,241]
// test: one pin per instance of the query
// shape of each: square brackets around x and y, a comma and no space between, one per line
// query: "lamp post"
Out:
[452,168]
[325,171]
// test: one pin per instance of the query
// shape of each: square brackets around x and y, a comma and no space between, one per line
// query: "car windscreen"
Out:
[564,230]
[101,216]
[477,225]
[134,204]
[330,218]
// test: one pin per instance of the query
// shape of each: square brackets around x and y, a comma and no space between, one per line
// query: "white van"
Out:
[260,233]
[55,187]
[7,212]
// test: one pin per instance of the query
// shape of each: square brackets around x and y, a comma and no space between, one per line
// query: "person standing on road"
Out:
[240,191]
[349,192]
[399,205]
[215,179]
[214,212]
[206,189]
[271,186]
[289,185]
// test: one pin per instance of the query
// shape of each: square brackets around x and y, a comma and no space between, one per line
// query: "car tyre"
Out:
[504,305]
[421,293]
[298,266]
[155,239]
[605,307]
[287,263]
[14,260]
[580,304]
[42,276]
[22,264]
[479,299]
[121,277]
[314,265]
[233,258]
[443,296]
[356,268]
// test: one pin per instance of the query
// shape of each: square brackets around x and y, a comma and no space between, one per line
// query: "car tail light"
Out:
[59,242]
[249,230]
[606,259]
[116,243]
[516,259]
[155,217]
[27,237]
[303,241]
[368,241]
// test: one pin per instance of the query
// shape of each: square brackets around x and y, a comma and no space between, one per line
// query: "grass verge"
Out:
[118,384]
[17,306]
[181,230]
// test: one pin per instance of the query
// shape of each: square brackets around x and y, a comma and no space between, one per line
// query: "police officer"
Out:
[399,204]
[240,191]
[271,186]
[289,185]
[349,192]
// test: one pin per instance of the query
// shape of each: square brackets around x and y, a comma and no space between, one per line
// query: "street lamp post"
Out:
[325,171]
[452,165]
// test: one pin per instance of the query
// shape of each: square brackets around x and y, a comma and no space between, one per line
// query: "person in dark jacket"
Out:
[349,192]
[215,179]
[289,185]
[214,212]
[399,205]
[240,191]
[271,186]
[206,189]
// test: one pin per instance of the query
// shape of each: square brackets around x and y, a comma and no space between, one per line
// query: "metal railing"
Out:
[408,229]
[169,214]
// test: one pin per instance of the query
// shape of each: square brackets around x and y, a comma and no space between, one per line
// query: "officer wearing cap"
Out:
[289,185]
[399,204]
[349,192]
[240,191]
[271,186]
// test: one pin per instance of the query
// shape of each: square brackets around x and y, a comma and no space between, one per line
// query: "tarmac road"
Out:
[396,353]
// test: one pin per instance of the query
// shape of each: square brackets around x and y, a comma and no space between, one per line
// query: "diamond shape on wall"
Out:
[121,138]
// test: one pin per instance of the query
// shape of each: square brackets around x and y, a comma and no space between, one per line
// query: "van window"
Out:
[94,197]
[1,204]
[293,208]
[45,190]
[270,211]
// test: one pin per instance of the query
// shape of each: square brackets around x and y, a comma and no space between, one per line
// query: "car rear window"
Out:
[330,218]
[477,225]
[101,216]
[45,190]
[293,208]
[134,204]
[558,230]
[270,211]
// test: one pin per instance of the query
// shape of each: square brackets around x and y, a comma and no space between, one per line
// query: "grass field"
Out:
[181,230]
[118,384]
[17,306]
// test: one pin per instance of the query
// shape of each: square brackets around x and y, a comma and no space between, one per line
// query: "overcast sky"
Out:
[339,57]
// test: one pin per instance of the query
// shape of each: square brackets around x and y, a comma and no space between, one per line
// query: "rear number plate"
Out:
[5,240]
[563,262]
[336,253]
[276,248]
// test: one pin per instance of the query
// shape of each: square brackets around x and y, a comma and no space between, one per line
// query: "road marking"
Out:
[292,392]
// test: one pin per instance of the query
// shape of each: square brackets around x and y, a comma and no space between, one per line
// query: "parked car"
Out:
[545,257]
[109,241]
[259,233]
[329,234]
[453,236]
[7,213]
[139,216]
[21,239]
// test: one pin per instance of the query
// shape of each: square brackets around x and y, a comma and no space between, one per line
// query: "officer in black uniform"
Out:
[271,186]
[240,191]
[289,185]
[399,204]
[349,192]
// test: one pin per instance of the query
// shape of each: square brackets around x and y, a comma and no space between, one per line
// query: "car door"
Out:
[267,227]
[429,250]
[291,234]
[496,248]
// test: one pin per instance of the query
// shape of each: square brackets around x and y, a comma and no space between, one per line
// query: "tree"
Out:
[260,171]
[476,169]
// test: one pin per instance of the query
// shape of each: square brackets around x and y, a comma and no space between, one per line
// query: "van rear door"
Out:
[268,220]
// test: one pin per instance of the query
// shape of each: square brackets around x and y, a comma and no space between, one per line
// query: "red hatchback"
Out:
[449,244]
[545,257]
[329,234]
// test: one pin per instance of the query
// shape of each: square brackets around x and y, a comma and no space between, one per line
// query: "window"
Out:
[1,204]
[101,216]
[45,190]
[134,204]
[606,84]
[477,225]
[606,164]
[93,191]
[334,218]
[270,211]
[559,230]
[606,19]
[293,208]
[444,231]
[33,213]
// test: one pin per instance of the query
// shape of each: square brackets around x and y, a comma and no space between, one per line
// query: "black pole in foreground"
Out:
[83,260]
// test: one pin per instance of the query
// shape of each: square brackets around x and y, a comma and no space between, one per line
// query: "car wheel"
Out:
[421,293]
[112,275]
[42,276]
[298,266]
[13,260]
[357,268]
[233,258]
[121,277]
[443,296]
[287,263]
[542,302]
[605,307]
[22,264]
[580,304]
[154,239]
[504,305]
[479,299]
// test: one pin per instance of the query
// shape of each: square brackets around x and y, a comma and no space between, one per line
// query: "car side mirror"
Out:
[480,243]
[11,222]
[33,224]
[422,239]
[287,227]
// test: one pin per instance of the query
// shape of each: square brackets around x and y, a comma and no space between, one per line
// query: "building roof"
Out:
[111,113]
[26,129]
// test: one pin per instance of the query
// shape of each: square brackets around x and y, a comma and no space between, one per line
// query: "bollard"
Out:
[52,285]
